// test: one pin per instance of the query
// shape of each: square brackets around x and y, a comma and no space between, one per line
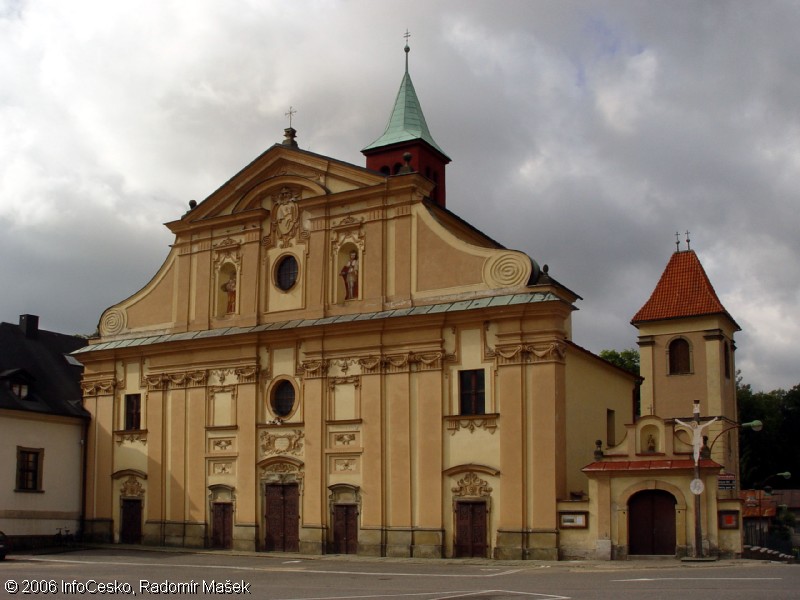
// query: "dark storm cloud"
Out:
[583,133]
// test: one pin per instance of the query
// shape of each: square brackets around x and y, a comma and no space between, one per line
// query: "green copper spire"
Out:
[407,122]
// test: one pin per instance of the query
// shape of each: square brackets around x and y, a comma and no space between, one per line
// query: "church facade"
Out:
[329,360]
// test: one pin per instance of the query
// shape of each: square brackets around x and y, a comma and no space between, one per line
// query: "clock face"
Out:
[696,487]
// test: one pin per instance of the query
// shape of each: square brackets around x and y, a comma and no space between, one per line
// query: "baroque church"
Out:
[331,361]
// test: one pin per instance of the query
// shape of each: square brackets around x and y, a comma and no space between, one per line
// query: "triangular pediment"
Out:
[306,174]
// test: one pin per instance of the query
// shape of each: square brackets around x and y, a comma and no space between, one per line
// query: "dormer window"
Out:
[19,381]
[20,390]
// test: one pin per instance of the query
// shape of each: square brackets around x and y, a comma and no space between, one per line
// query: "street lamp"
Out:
[698,446]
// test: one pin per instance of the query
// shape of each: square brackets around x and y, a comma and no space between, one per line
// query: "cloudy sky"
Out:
[583,133]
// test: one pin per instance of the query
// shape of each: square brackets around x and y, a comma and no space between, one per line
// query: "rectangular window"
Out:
[471,392]
[133,411]
[29,469]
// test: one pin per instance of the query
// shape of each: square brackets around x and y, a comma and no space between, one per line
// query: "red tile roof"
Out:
[684,290]
[650,465]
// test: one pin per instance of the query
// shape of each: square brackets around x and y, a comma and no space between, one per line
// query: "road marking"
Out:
[702,579]
[276,569]
[453,595]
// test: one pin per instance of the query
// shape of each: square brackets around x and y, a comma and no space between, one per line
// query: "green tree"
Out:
[774,449]
[627,359]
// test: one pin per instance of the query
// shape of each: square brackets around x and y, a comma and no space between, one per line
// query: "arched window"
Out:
[679,357]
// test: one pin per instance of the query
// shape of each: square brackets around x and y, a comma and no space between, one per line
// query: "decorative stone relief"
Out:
[222,444]
[356,237]
[348,464]
[185,379]
[536,353]
[506,269]
[370,364]
[485,422]
[227,251]
[397,363]
[98,387]
[282,443]
[286,217]
[113,321]
[428,361]
[344,439]
[131,488]
[221,468]
[247,374]
[281,472]
[554,351]
[472,486]
[314,368]
[131,437]
[154,381]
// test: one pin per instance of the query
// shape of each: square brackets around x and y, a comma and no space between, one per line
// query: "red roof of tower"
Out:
[684,290]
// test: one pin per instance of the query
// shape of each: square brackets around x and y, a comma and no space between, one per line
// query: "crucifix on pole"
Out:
[696,427]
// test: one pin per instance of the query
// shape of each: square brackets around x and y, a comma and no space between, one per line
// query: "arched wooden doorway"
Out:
[651,523]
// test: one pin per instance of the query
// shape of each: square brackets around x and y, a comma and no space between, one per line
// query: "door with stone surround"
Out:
[222,525]
[131,521]
[282,518]
[471,531]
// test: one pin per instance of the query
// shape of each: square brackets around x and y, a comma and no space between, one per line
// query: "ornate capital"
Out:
[98,387]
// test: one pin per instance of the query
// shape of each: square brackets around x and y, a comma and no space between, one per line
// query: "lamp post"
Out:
[696,427]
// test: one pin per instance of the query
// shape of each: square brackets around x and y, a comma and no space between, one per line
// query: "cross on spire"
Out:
[407,35]
[677,242]
[688,241]
[289,114]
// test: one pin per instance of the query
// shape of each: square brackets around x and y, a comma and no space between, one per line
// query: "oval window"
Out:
[283,399]
[286,273]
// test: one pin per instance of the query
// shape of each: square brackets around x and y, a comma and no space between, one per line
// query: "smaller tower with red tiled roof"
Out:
[687,349]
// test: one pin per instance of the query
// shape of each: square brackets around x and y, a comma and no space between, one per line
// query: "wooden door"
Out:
[651,523]
[470,530]
[282,517]
[131,522]
[222,525]
[345,529]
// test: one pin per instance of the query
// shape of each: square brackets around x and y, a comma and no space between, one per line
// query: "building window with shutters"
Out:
[472,398]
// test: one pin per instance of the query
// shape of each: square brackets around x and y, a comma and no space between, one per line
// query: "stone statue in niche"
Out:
[230,288]
[349,274]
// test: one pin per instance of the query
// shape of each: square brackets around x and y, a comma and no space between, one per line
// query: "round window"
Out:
[283,399]
[286,273]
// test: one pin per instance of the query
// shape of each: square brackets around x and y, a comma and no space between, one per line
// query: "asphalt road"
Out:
[118,573]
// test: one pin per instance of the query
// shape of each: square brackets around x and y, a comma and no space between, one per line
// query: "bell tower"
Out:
[687,349]
[407,143]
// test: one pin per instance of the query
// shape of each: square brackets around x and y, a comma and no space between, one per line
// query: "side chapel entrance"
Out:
[222,525]
[470,530]
[345,529]
[131,521]
[651,523]
[282,517]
